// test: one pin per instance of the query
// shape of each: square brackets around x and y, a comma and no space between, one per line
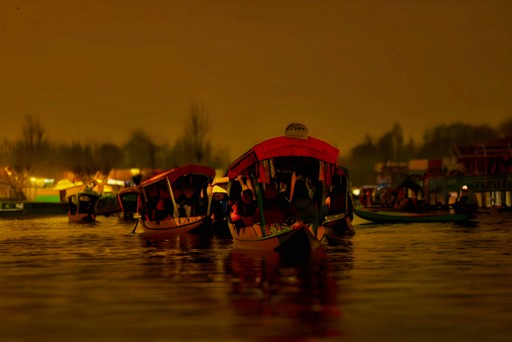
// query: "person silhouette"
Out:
[245,212]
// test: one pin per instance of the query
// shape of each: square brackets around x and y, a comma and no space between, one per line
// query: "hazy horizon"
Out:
[96,71]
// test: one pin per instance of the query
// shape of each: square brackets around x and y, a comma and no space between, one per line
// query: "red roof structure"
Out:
[284,147]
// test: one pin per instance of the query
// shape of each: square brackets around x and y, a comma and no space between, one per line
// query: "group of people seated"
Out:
[402,198]
[300,198]
[184,202]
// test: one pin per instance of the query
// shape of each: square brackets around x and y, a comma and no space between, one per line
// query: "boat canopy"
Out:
[129,190]
[178,172]
[284,146]
[86,194]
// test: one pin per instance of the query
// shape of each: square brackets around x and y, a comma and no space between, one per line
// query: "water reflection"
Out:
[267,286]
[395,282]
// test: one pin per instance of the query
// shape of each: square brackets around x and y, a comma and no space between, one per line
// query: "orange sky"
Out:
[96,70]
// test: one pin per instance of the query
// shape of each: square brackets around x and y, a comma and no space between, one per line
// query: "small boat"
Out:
[176,201]
[29,209]
[108,204]
[82,206]
[11,206]
[11,198]
[278,192]
[128,199]
[389,215]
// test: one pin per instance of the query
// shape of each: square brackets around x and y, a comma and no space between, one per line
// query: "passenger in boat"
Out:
[152,202]
[388,197]
[164,206]
[185,201]
[467,202]
[406,200]
[304,201]
[274,205]
[339,202]
[245,212]
[220,201]
[365,198]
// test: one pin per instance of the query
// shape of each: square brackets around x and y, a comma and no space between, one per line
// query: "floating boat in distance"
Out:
[107,204]
[11,206]
[278,190]
[389,215]
[175,202]
[128,199]
[22,210]
[82,206]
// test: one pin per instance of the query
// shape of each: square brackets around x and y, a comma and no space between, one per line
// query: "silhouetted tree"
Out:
[409,150]
[438,141]
[390,146]
[80,159]
[108,156]
[505,128]
[194,145]
[361,162]
[140,151]
[165,157]
[27,153]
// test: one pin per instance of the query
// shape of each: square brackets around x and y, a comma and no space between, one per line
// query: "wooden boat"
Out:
[278,190]
[108,204]
[388,215]
[82,206]
[175,202]
[11,206]
[128,199]
[29,209]
[11,198]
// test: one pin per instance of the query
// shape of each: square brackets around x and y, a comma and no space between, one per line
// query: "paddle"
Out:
[136,223]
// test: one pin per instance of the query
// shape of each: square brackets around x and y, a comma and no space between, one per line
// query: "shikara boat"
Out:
[11,199]
[108,204]
[128,199]
[176,201]
[82,206]
[11,206]
[389,215]
[279,191]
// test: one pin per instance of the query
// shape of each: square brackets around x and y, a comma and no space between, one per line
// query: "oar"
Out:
[136,223]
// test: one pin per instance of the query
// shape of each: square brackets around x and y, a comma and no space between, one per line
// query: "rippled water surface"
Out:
[410,282]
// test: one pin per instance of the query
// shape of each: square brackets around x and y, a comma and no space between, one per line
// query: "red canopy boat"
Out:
[284,191]
[176,201]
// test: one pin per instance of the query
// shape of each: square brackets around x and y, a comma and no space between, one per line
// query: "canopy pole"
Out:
[175,213]
[259,198]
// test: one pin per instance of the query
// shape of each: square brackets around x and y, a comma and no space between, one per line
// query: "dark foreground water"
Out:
[420,282]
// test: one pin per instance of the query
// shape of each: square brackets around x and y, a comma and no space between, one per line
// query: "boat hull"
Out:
[82,218]
[394,216]
[171,227]
[298,239]
[11,206]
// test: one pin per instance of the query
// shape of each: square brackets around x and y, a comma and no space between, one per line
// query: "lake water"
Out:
[404,282]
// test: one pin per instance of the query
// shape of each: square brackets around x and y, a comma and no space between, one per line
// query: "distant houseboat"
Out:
[485,169]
